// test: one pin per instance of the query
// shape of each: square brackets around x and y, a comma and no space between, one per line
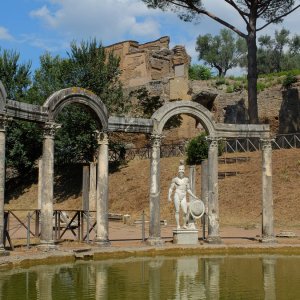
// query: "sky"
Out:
[32,27]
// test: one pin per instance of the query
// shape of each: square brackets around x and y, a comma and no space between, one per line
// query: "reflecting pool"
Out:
[184,277]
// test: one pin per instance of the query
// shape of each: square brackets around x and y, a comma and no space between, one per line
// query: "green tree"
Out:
[23,139]
[199,72]
[223,51]
[14,75]
[281,53]
[87,66]
[149,104]
[250,12]
[197,149]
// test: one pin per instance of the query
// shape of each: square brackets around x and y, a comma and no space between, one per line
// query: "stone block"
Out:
[185,236]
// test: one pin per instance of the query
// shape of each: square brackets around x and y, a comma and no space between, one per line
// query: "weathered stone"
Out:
[236,113]
[85,187]
[142,63]
[267,194]
[185,236]
[213,201]
[154,226]
[205,98]
[289,114]
[47,185]
[3,124]
[93,186]
[102,191]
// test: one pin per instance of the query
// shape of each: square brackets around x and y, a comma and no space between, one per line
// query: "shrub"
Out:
[229,89]
[260,86]
[199,72]
[220,81]
[197,149]
[288,81]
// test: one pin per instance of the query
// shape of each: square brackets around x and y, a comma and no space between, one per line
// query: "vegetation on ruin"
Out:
[200,72]
[250,12]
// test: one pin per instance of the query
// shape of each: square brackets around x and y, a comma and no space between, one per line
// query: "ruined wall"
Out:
[143,63]
[163,71]
[289,114]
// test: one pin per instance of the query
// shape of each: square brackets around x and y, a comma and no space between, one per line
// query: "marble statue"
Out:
[182,187]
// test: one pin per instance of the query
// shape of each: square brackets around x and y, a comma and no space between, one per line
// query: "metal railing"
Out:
[77,224]
[230,145]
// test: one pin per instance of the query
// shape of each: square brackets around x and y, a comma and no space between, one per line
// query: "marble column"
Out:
[213,201]
[192,177]
[204,182]
[102,191]
[267,194]
[204,193]
[154,226]
[40,183]
[3,124]
[85,187]
[93,186]
[47,185]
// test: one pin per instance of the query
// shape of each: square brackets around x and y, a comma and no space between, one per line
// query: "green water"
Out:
[188,277]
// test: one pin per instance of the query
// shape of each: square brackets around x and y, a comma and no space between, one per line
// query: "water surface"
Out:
[185,277]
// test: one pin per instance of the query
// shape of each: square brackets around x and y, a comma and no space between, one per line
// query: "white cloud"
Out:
[113,21]
[47,44]
[106,19]
[45,14]
[4,34]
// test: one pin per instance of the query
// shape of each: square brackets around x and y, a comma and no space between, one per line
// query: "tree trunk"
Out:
[252,76]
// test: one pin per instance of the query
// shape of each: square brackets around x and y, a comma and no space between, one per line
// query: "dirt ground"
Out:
[239,196]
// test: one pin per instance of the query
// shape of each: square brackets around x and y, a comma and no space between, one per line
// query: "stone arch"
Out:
[58,100]
[3,96]
[196,110]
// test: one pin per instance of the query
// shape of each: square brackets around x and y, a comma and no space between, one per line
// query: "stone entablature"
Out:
[143,63]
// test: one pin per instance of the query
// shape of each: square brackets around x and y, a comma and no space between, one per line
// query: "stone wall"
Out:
[143,63]
[269,102]
[161,70]
[164,72]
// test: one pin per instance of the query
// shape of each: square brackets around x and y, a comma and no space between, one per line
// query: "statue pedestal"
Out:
[185,236]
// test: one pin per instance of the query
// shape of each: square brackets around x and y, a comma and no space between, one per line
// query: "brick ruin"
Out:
[164,73]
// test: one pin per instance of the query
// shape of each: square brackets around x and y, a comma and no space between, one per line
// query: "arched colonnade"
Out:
[46,115]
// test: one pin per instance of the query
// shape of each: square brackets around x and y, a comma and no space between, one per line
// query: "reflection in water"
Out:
[154,279]
[44,282]
[189,277]
[268,265]
[101,282]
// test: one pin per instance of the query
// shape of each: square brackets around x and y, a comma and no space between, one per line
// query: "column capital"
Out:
[50,129]
[266,144]
[155,140]
[213,141]
[102,137]
[4,120]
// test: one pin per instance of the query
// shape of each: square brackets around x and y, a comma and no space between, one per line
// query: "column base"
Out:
[185,236]
[215,240]
[154,241]
[268,239]
[4,252]
[47,246]
[102,243]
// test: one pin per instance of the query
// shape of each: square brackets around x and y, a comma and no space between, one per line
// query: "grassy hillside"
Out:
[239,196]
